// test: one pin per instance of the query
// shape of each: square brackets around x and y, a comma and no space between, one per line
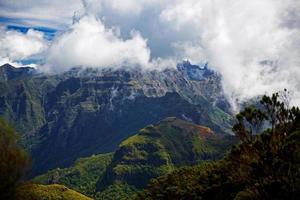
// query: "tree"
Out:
[250,121]
[275,111]
[13,161]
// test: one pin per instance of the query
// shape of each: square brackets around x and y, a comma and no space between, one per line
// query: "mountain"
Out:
[8,72]
[155,150]
[159,149]
[88,111]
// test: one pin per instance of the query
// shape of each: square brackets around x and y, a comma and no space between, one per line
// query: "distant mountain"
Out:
[154,151]
[86,111]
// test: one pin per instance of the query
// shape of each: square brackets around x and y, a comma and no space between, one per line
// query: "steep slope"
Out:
[83,112]
[159,149]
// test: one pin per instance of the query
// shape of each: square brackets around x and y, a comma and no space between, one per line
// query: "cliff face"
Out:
[82,112]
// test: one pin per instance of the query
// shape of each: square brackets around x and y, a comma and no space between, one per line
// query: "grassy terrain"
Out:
[49,192]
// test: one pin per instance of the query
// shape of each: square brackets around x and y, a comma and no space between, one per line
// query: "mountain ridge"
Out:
[82,112]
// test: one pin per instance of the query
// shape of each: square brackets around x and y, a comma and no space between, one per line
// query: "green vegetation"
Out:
[264,166]
[81,176]
[48,192]
[154,151]
[120,191]
[157,150]
[13,162]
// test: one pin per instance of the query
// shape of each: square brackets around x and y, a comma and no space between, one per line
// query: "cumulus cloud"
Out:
[92,41]
[89,43]
[16,46]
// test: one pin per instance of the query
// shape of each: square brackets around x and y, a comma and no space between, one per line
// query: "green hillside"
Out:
[154,151]
[159,149]
[81,176]
[48,192]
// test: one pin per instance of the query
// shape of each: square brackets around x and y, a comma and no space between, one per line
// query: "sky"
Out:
[254,45]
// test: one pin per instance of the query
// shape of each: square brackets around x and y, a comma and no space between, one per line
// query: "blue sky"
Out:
[233,36]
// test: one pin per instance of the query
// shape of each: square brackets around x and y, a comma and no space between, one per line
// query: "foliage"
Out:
[120,191]
[81,176]
[264,166]
[13,162]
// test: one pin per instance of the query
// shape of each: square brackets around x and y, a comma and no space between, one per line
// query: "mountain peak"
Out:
[203,132]
[195,72]
[8,72]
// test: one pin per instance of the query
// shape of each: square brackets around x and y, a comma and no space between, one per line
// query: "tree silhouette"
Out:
[250,121]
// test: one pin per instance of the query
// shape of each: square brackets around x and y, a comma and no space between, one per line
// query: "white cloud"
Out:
[55,14]
[124,7]
[16,46]
[88,43]
[236,36]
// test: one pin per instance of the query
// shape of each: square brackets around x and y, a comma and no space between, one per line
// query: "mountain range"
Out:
[88,111]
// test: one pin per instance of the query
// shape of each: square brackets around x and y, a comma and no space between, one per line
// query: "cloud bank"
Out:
[254,45]
[16,46]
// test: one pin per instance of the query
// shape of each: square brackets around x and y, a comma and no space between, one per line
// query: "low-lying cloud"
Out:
[253,44]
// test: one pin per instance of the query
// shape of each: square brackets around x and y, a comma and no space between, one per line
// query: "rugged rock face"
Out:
[82,112]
